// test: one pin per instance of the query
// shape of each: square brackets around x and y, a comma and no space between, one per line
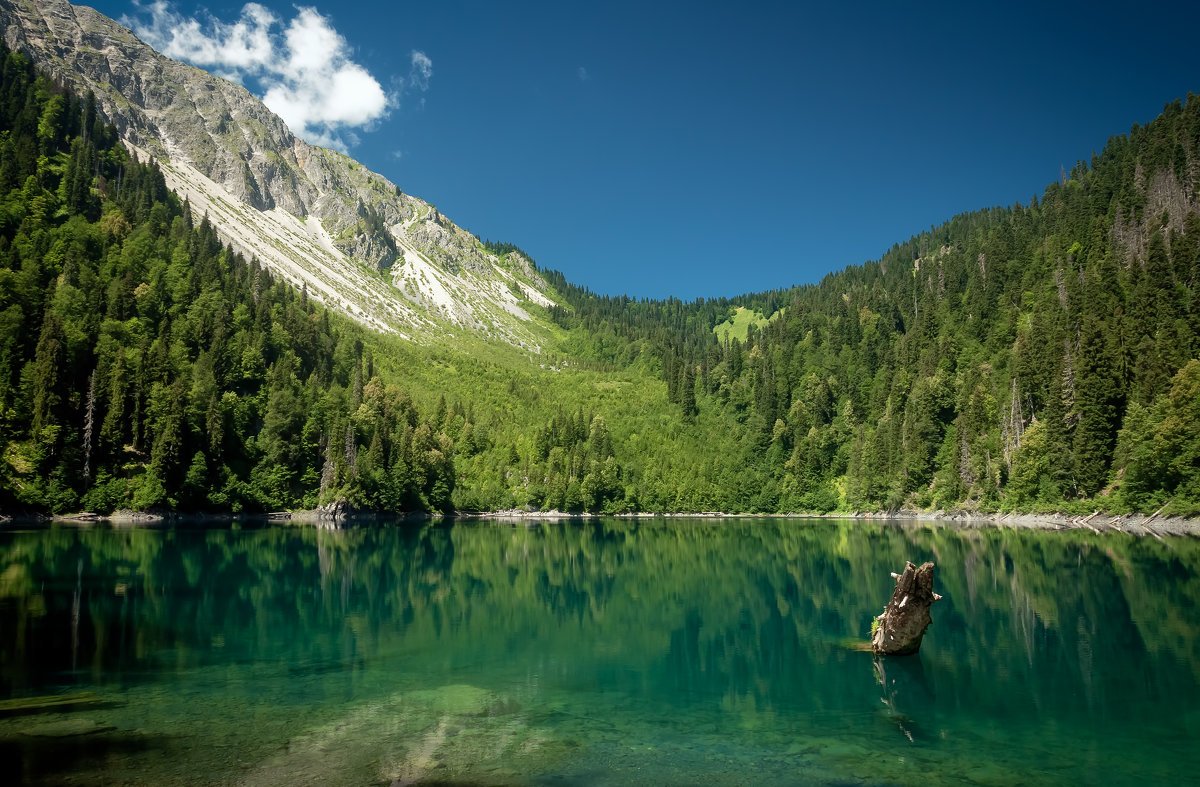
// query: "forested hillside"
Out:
[1020,357]
[143,364]
[1042,356]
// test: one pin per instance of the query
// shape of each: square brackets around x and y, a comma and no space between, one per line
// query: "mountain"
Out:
[317,218]
[1037,357]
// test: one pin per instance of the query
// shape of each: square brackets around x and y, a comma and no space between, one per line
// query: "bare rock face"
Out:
[314,216]
[906,617]
[179,112]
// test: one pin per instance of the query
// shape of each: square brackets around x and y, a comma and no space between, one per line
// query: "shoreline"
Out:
[1131,524]
[335,517]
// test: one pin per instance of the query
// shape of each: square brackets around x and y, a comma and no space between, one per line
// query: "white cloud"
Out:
[583,74]
[303,67]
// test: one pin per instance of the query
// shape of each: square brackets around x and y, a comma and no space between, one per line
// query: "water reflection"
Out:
[607,632]
[904,685]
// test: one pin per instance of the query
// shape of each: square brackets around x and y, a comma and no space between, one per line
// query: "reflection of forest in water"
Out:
[745,613]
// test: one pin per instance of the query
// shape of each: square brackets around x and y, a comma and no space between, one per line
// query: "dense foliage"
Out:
[143,364]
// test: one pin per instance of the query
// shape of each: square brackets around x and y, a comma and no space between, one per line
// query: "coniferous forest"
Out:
[144,365]
[1020,357]
[1037,357]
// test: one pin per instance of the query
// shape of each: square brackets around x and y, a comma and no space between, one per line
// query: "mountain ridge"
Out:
[316,217]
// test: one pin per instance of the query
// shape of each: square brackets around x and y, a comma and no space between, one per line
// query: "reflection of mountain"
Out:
[752,612]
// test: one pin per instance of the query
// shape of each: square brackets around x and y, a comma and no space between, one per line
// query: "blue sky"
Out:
[707,149]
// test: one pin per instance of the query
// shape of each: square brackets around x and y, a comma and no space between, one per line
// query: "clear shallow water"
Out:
[601,652]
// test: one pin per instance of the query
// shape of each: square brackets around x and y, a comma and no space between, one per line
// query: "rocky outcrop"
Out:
[162,105]
[313,215]
[335,513]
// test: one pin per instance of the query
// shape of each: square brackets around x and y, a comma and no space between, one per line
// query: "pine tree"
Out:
[687,392]
[1097,404]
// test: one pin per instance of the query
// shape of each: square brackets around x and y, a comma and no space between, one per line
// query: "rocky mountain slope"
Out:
[313,216]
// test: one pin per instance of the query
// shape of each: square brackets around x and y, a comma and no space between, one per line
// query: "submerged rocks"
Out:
[464,700]
[67,728]
[899,630]
[456,733]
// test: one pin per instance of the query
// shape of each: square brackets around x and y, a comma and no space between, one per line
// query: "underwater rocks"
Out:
[455,733]
[67,728]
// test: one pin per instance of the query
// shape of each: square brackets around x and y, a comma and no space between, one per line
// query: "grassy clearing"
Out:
[668,462]
[738,324]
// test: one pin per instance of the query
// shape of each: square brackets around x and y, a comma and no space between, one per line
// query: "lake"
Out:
[592,652]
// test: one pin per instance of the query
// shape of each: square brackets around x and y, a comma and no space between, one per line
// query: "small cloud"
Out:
[303,68]
[583,74]
[421,72]
[397,155]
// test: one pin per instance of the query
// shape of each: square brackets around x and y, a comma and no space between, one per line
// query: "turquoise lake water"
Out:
[593,652]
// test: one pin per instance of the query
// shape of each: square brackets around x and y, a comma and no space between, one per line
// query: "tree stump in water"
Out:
[905,618]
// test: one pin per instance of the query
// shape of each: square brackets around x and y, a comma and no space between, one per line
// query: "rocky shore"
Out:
[1132,524]
[340,514]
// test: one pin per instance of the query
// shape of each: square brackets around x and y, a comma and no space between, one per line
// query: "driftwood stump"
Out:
[905,618]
